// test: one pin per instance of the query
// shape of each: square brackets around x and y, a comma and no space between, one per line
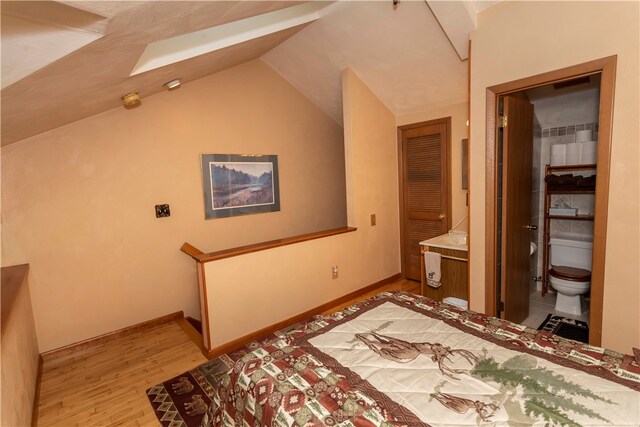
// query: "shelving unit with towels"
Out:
[560,189]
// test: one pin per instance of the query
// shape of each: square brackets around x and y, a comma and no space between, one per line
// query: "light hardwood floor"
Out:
[398,285]
[107,385]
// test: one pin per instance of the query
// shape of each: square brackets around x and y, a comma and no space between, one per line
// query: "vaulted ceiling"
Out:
[67,60]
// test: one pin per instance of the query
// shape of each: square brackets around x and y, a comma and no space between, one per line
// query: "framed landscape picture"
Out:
[239,184]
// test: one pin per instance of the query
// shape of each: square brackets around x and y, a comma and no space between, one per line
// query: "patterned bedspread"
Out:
[399,359]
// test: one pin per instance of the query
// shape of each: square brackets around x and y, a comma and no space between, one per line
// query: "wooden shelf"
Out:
[571,191]
[572,167]
[574,217]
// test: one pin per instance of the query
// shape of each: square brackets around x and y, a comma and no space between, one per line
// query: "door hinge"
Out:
[501,306]
[502,121]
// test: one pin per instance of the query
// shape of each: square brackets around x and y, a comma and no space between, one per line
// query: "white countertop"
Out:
[444,242]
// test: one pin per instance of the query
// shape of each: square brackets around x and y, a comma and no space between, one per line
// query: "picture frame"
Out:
[239,184]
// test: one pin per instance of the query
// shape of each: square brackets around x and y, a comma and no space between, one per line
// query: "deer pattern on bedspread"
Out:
[452,367]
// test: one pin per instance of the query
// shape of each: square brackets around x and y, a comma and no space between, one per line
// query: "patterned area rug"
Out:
[567,328]
[182,401]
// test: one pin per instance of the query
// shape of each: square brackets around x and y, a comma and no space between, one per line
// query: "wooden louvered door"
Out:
[425,191]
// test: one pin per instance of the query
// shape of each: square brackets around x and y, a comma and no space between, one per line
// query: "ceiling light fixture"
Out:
[131,100]
[173,84]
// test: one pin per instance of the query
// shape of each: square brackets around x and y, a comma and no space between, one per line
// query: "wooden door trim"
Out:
[607,68]
[401,173]
[491,208]
[468,166]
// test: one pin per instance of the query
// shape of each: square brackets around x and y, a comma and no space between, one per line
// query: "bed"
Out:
[400,359]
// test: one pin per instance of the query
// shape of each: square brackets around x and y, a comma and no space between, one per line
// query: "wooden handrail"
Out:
[199,256]
[192,251]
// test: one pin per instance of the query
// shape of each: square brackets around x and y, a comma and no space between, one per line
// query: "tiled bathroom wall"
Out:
[569,130]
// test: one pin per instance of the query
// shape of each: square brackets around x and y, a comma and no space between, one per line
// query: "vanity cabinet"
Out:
[453,267]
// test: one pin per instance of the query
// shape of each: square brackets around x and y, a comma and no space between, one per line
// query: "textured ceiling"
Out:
[93,78]
[401,53]
[78,63]
[108,9]
[37,33]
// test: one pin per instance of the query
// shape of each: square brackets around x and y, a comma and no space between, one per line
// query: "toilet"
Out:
[570,273]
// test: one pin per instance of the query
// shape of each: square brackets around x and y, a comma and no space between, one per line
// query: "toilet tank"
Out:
[572,253]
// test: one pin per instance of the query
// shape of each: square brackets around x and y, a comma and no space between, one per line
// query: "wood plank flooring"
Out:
[107,385]
[398,285]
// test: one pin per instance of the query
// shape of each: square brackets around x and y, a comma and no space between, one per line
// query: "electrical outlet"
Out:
[373,219]
[334,272]
[162,211]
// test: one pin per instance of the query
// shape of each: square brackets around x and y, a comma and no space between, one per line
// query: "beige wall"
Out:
[20,356]
[520,39]
[78,201]
[459,131]
[299,276]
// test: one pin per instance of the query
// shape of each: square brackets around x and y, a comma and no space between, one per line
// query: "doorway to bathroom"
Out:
[564,170]
[545,136]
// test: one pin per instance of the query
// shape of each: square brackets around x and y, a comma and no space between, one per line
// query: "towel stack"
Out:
[570,182]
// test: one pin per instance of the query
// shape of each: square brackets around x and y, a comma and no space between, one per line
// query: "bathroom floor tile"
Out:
[540,307]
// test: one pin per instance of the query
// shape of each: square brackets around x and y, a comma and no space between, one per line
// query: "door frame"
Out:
[401,172]
[607,69]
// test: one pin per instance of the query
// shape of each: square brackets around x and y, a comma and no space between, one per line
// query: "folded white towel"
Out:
[432,269]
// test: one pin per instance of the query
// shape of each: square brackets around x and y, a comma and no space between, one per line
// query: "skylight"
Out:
[168,51]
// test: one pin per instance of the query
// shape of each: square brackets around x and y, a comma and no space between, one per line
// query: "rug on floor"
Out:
[567,328]
[183,400]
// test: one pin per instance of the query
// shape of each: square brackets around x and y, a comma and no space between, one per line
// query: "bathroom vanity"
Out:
[453,266]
